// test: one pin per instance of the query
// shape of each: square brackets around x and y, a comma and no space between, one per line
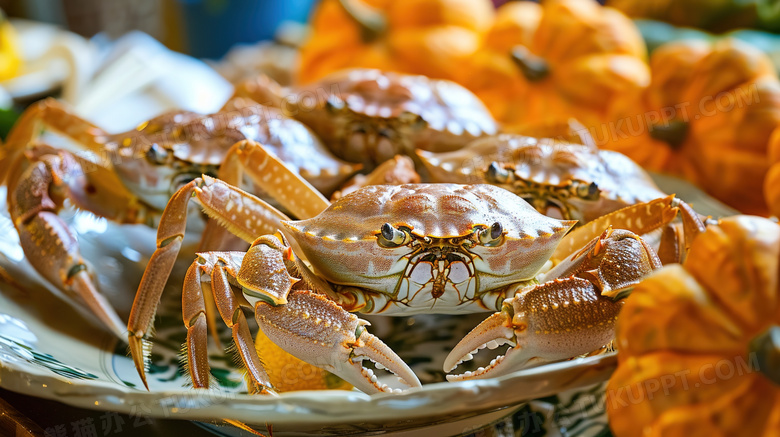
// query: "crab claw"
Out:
[553,321]
[492,332]
[314,329]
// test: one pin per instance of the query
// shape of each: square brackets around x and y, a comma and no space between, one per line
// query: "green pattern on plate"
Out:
[31,355]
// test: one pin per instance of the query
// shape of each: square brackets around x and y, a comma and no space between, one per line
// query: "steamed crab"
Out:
[564,180]
[560,179]
[369,116]
[395,250]
[129,177]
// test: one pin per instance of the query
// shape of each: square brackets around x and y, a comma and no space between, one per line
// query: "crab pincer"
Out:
[572,313]
[316,330]
[292,311]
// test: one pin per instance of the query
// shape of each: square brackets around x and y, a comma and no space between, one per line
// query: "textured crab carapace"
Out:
[369,116]
[438,248]
[560,179]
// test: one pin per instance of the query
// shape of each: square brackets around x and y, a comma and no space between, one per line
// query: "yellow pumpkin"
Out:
[435,38]
[699,343]
[707,116]
[561,59]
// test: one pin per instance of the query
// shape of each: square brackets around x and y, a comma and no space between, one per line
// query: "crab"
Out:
[564,180]
[129,177]
[398,251]
[369,116]
[560,179]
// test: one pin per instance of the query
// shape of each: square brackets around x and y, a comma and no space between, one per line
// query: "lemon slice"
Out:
[10,59]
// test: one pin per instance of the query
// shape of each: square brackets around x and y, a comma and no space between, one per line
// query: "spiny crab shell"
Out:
[423,248]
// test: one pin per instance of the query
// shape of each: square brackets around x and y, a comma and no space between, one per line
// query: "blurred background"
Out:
[120,62]
[601,63]
[202,28]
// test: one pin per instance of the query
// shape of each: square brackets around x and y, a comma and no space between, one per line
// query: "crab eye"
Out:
[415,121]
[588,191]
[498,174]
[492,236]
[333,104]
[385,133]
[392,237]
[156,155]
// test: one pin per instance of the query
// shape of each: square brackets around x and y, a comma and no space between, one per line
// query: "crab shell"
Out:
[187,145]
[436,115]
[342,244]
[551,164]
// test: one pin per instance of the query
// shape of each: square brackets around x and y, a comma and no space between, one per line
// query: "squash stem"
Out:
[534,68]
[372,22]
[672,133]
[766,347]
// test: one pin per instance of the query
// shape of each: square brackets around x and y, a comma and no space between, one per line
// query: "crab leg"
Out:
[640,219]
[218,266]
[26,165]
[233,315]
[570,315]
[613,262]
[53,115]
[305,324]
[583,325]
[673,242]
[48,243]
[244,215]
[193,311]
[284,185]
[287,187]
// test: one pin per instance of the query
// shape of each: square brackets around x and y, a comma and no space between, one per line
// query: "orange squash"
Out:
[699,343]
[772,181]
[707,116]
[435,38]
[561,59]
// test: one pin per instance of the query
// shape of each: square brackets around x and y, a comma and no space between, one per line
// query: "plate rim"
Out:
[212,403]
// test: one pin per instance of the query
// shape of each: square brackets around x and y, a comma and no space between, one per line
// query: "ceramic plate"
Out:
[50,348]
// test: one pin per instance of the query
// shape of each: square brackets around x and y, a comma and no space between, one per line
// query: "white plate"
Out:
[49,349]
